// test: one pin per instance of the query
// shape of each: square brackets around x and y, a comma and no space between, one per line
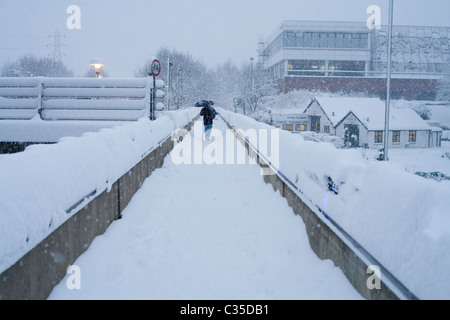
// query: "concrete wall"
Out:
[328,244]
[35,275]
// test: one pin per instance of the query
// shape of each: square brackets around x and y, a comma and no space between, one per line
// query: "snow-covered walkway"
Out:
[206,232]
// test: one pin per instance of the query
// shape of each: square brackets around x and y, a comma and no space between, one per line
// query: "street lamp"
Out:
[388,91]
[98,64]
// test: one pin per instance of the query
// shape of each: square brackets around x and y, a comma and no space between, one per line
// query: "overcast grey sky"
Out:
[125,32]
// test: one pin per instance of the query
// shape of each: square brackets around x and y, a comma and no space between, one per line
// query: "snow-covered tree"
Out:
[31,66]
[255,85]
[190,79]
[227,84]
[423,111]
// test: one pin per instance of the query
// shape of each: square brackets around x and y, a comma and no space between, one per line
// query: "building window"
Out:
[316,40]
[396,137]
[306,67]
[347,40]
[412,136]
[275,46]
[346,68]
[326,129]
[363,40]
[288,127]
[307,41]
[378,136]
[325,40]
[300,127]
[332,40]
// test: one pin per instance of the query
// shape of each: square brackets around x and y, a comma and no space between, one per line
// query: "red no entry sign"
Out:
[156,67]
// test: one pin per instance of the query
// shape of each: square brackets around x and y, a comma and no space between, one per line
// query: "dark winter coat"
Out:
[208,114]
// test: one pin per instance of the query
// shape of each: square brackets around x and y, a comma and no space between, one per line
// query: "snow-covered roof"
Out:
[406,119]
[371,113]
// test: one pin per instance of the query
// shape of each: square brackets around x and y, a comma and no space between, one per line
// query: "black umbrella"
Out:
[204,103]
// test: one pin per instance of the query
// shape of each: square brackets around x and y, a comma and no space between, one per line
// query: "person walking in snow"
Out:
[208,113]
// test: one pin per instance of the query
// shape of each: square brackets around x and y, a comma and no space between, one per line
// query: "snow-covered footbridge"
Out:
[151,210]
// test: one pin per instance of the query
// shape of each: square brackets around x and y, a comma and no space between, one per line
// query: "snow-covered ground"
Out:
[402,219]
[205,232]
[418,160]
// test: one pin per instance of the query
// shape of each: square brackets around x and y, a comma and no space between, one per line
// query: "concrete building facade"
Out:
[349,57]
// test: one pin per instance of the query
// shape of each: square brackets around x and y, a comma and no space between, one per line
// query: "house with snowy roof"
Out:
[360,122]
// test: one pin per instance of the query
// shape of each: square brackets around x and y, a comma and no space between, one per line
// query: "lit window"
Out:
[346,68]
[396,137]
[300,127]
[378,136]
[288,127]
[306,67]
[412,136]
[326,129]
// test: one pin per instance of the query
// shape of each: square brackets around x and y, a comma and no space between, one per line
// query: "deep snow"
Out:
[206,232]
[402,219]
[39,185]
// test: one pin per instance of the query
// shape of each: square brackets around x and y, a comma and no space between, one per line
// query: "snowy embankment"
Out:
[39,185]
[403,220]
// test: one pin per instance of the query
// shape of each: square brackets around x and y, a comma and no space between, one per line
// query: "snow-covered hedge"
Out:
[403,220]
[39,185]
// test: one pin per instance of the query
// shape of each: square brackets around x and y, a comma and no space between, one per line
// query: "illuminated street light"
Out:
[98,64]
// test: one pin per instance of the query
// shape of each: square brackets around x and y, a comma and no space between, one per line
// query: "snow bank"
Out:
[40,184]
[180,119]
[403,220]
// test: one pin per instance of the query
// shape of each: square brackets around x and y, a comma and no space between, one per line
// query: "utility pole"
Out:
[57,46]
[388,91]
[169,64]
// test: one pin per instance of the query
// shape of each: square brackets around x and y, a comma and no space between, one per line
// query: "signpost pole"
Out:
[153,98]
[155,70]
[151,104]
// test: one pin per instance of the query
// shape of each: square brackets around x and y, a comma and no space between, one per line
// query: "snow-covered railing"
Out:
[76,98]
[19,98]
